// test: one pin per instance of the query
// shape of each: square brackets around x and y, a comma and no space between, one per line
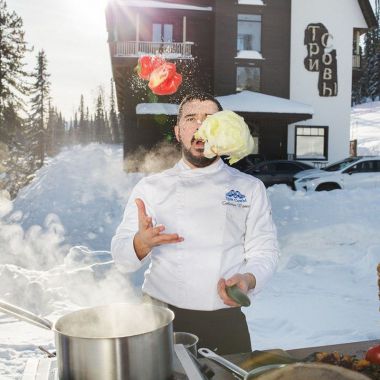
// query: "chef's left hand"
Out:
[245,282]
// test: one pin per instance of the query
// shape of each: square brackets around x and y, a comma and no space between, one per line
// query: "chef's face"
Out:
[192,116]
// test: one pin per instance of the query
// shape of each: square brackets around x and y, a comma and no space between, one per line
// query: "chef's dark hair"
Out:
[197,95]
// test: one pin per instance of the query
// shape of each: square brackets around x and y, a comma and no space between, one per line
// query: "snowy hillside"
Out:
[55,238]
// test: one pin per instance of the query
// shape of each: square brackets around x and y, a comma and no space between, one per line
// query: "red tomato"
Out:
[373,354]
[169,86]
[147,64]
[161,74]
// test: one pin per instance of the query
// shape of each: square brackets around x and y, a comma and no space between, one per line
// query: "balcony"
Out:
[169,50]
[356,61]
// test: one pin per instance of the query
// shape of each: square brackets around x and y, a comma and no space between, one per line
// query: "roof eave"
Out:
[368,13]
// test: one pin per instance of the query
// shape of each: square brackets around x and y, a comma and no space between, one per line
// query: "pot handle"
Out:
[25,315]
[223,362]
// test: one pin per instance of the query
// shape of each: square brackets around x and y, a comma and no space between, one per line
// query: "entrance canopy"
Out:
[247,102]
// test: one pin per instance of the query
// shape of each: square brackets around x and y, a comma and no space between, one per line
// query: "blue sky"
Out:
[73,35]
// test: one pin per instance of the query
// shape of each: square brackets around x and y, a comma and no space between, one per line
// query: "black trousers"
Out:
[224,331]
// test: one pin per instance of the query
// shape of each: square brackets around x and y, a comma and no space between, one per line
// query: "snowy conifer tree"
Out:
[12,74]
[39,105]
[113,119]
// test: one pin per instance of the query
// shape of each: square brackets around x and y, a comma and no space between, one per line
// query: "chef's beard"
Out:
[197,161]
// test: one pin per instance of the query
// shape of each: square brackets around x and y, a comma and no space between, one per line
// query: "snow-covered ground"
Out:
[55,237]
[365,126]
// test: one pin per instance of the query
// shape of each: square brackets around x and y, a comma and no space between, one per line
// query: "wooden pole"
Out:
[137,33]
[184,29]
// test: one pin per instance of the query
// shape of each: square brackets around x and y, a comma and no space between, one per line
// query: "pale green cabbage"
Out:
[225,133]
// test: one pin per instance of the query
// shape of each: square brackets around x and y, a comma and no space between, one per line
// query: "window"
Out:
[162,33]
[247,78]
[364,167]
[249,32]
[311,143]
[286,167]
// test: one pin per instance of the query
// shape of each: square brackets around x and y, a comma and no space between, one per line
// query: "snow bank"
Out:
[365,127]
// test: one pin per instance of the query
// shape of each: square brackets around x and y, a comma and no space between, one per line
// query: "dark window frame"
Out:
[162,31]
[325,143]
[249,67]
[241,13]
[375,164]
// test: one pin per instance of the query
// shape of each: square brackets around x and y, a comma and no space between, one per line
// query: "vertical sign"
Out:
[320,58]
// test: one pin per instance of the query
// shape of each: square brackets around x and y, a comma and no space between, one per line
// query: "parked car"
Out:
[247,162]
[277,171]
[349,173]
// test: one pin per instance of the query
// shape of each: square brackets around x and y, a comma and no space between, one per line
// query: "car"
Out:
[247,162]
[352,172]
[277,171]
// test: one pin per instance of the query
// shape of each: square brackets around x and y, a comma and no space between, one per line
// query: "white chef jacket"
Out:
[225,219]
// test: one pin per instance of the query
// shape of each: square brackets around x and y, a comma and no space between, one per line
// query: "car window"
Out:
[264,168]
[377,167]
[286,167]
[340,164]
[363,167]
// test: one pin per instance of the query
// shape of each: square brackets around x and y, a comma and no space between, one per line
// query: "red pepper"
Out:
[147,64]
[169,86]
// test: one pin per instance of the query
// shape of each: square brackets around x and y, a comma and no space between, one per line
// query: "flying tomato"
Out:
[147,64]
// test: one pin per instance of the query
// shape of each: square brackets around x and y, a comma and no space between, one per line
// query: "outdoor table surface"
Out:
[354,348]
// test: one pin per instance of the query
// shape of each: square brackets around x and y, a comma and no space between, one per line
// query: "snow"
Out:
[250,2]
[55,237]
[244,101]
[157,109]
[249,54]
[248,101]
[365,123]
[161,4]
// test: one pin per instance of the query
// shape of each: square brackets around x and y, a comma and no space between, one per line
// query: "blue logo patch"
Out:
[235,196]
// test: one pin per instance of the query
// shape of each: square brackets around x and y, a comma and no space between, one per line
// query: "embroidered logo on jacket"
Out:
[235,196]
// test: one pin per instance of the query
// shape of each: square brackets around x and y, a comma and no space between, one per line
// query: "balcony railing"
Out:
[356,61]
[170,50]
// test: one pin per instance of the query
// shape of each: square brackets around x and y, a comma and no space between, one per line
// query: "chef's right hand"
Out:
[148,236]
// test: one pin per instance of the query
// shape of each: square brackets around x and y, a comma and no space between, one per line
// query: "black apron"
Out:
[224,331]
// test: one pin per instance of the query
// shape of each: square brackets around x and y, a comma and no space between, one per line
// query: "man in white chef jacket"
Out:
[204,226]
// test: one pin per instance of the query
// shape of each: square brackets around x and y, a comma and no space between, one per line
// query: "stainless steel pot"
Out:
[113,342]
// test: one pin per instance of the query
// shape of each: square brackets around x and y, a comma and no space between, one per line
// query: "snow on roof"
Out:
[248,101]
[161,4]
[250,2]
[157,109]
[245,101]
[249,54]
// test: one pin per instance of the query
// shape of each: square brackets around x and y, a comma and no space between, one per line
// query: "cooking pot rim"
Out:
[162,325]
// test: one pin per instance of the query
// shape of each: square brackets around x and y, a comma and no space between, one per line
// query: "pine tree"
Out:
[113,119]
[12,74]
[374,73]
[83,126]
[50,130]
[55,132]
[60,133]
[40,101]
[99,120]
[75,127]
[92,129]
[369,83]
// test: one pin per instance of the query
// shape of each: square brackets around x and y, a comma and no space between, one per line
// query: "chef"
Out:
[203,226]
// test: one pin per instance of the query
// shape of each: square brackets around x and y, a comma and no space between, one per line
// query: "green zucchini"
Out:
[235,293]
